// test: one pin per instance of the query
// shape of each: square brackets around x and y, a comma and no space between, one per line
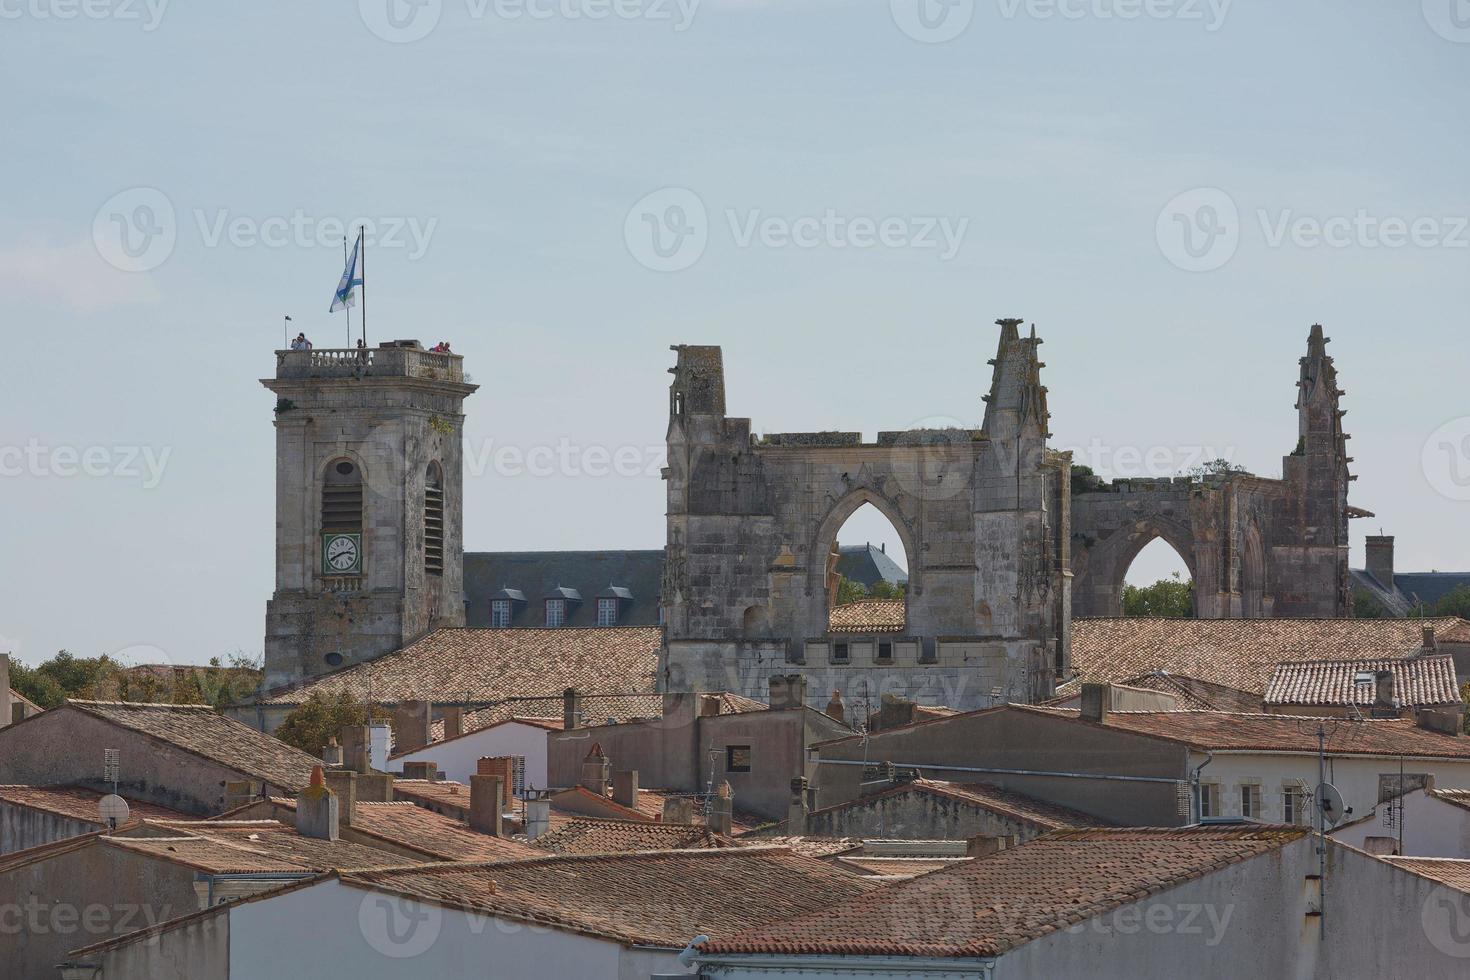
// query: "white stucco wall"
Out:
[333,931]
[1431,828]
[1356,777]
[456,758]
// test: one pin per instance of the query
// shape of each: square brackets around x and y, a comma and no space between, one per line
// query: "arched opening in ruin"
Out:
[867,573]
[1158,582]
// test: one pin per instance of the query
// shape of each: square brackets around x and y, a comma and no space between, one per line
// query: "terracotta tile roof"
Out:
[1417,681]
[564,806]
[1458,797]
[867,616]
[1189,693]
[432,834]
[648,898]
[443,792]
[815,847]
[259,850]
[78,803]
[1454,872]
[201,731]
[1239,653]
[501,664]
[896,867]
[1235,731]
[982,908]
[618,836]
[596,709]
[1006,803]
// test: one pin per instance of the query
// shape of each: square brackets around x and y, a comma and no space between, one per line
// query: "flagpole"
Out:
[347,309]
[362,244]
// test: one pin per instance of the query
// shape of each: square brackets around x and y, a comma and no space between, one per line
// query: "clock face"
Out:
[341,553]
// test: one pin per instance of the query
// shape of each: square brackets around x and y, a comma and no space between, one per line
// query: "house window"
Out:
[607,612]
[1250,801]
[556,612]
[737,758]
[885,649]
[840,653]
[1293,804]
[499,613]
[518,778]
[1209,800]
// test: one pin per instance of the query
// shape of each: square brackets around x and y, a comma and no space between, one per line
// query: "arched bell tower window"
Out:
[342,498]
[434,520]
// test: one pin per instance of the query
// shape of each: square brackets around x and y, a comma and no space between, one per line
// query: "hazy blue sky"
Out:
[1066,149]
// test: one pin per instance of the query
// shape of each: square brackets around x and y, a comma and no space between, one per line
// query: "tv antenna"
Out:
[1327,801]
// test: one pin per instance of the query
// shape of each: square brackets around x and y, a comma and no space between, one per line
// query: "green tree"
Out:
[849,591]
[320,717]
[41,689]
[1171,598]
[884,589]
[1365,606]
[1219,466]
[1456,603]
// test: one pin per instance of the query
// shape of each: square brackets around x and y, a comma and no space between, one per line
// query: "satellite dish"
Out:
[113,810]
[1329,801]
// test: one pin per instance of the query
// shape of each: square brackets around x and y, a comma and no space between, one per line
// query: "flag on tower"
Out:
[346,294]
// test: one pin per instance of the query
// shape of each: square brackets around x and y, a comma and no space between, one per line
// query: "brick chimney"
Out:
[453,721]
[625,788]
[538,817]
[678,809]
[502,767]
[486,802]
[835,709]
[316,809]
[411,721]
[1096,702]
[332,753]
[343,783]
[796,812]
[571,709]
[1380,558]
[5,711]
[722,809]
[594,770]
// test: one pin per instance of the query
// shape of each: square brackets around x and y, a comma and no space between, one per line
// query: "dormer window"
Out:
[556,612]
[611,602]
[607,612]
[499,614]
[561,602]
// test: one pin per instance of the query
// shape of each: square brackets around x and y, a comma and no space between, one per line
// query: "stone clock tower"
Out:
[369,514]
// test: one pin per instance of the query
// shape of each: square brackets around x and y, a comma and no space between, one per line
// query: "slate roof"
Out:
[1241,653]
[201,731]
[1407,588]
[78,803]
[659,898]
[867,616]
[1006,803]
[535,574]
[985,907]
[867,564]
[587,836]
[1417,681]
[1223,731]
[523,670]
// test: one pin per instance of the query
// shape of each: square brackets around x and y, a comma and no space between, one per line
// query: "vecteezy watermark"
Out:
[144,463]
[932,21]
[136,230]
[1445,917]
[148,13]
[1206,920]
[565,458]
[406,21]
[36,917]
[1450,19]
[1199,230]
[399,928]
[1210,13]
[1147,462]
[1446,459]
[669,229]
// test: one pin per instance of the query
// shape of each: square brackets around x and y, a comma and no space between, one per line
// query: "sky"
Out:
[845,195]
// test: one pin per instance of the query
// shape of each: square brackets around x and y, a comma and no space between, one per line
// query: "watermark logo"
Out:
[667,230]
[1445,917]
[135,230]
[401,21]
[932,21]
[1450,19]
[1363,229]
[1199,230]
[397,927]
[1446,459]
[34,458]
[932,459]
[1210,13]
[148,12]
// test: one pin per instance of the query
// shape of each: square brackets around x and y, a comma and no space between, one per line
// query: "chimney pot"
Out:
[316,809]
[332,753]
[835,709]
